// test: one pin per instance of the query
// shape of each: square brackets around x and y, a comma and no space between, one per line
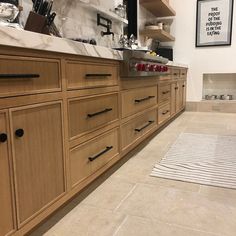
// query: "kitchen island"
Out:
[66,116]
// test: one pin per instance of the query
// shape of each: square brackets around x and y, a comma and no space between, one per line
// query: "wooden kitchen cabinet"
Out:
[6,197]
[178,97]
[37,140]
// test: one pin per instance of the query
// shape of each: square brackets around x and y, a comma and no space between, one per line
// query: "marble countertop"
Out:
[26,39]
[173,63]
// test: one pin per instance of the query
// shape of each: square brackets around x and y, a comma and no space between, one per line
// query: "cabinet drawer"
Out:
[164,93]
[91,113]
[136,100]
[85,75]
[175,73]
[89,157]
[137,127]
[163,113]
[21,75]
[183,73]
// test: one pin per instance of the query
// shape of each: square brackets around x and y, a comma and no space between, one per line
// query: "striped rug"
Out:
[202,159]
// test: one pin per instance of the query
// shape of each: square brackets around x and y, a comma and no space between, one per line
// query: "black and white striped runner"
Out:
[200,158]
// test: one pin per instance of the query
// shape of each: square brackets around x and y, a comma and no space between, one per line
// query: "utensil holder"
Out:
[37,23]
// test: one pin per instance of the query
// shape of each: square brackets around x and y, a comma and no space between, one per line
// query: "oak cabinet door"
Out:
[178,97]
[173,98]
[38,157]
[6,201]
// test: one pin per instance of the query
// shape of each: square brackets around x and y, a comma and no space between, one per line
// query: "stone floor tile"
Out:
[136,226]
[85,220]
[109,194]
[183,208]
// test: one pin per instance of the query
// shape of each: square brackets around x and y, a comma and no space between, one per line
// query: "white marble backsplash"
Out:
[76,21]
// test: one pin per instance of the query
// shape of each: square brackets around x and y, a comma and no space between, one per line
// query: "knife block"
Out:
[37,23]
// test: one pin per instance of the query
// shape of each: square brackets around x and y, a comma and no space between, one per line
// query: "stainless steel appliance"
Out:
[138,63]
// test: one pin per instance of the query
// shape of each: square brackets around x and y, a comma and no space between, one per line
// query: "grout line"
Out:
[129,193]
[119,227]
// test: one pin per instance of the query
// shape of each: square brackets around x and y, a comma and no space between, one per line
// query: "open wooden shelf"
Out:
[159,34]
[158,7]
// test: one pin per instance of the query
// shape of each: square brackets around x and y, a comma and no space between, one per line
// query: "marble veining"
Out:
[26,39]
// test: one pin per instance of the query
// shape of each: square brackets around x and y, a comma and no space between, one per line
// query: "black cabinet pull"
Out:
[175,74]
[99,113]
[19,133]
[183,86]
[183,74]
[19,76]
[97,75]
[176,88]
[165,112]
[3,138]
[145,126]
[165,92]
[100,153]
[143,99]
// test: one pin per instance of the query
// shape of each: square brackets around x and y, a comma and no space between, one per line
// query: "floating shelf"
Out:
[160,35]
[158,8]
[108,13]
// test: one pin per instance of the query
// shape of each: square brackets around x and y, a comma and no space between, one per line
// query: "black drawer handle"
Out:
[98,75]
[145,126]
[19,133]
[175,74]
[183,74]
[165,92]
[165,112]
[143,99]
[176,88]
[19,76]
[3,138]
[99,113]
[183,86]
[100,153]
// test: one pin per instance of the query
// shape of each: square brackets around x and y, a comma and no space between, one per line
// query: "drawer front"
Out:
[20,75]
[136,100]
[183,73]
[86,75]
[164,93]
[86,159]
[164,113]
[175,73]
[137,127]
[91,113]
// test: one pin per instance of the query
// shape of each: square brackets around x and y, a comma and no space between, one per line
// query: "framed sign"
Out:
[214,22]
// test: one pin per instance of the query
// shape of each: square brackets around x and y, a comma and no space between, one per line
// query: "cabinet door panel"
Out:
[38,157]
[173,99]
[6,201]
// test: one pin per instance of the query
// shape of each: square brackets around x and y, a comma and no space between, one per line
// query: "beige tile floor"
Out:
[128,202]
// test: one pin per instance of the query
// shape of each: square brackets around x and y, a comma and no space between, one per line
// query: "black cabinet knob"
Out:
[3,138]
[19,133]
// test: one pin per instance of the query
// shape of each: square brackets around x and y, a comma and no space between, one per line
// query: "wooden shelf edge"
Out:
[159,34]
[159,8]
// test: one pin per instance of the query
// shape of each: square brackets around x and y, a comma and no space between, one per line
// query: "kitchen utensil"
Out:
[226,97]
[37,5]
[211,97]
[49,8]
[43,8]
[51,18]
